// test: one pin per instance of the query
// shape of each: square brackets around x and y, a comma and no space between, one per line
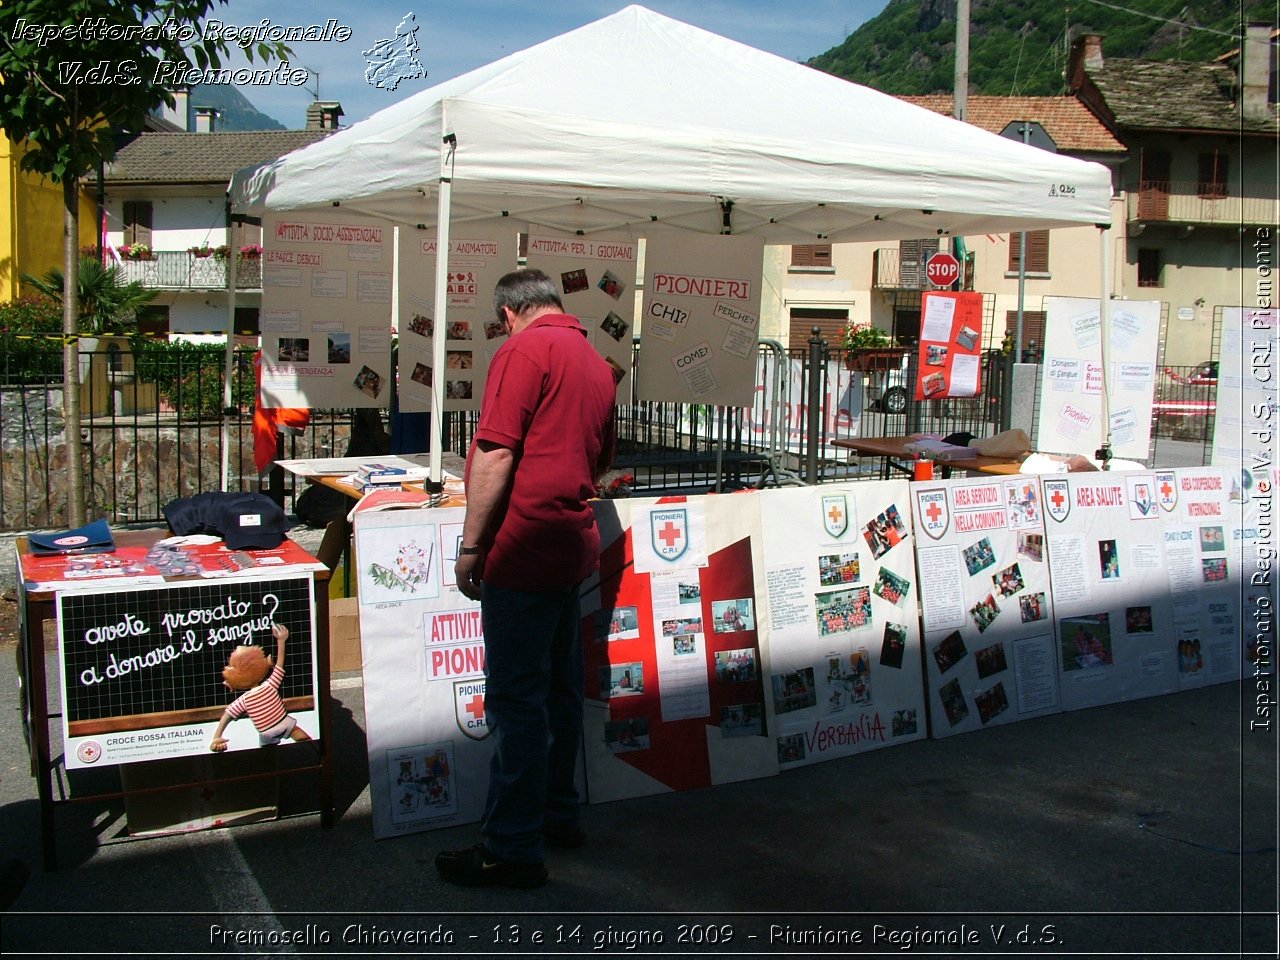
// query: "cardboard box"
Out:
[197,801]
[344,634]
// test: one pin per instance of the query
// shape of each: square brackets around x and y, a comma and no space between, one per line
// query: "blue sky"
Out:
[456,37]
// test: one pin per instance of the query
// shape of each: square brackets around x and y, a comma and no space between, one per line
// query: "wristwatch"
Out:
[468,551]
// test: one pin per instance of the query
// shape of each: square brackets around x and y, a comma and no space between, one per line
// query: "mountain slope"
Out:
[1020,46]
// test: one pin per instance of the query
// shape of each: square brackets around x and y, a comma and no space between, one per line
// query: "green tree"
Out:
[106,302]
[74,74]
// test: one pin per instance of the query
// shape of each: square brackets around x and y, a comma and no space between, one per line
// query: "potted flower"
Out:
[867,347]
[202,251]
[251,251]
[135,251]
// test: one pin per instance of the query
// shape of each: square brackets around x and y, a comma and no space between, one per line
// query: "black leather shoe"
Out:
[477,867]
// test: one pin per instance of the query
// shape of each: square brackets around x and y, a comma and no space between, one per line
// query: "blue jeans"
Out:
[533,706]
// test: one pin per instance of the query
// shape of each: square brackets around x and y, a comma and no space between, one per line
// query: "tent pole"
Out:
[439,334]
[231,349]
[1104,336]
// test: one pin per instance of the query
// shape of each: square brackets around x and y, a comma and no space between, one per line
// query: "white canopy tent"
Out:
[643,123]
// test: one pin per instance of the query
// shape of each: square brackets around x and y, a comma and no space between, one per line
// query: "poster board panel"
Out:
[950,344]
[843,630]
[701,319]
[986,602]
[423,650]
[477,260]
[326,311]
[142,667]
[1071,398]
[672,645]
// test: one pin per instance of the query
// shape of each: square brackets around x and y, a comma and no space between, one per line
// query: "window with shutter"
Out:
[1037,251]
[137,222]
[1032,327]
[830,322]
[811,255]
[1149,267]
[1212,182]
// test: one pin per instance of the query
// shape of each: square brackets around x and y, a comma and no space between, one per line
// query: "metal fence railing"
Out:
[154,431]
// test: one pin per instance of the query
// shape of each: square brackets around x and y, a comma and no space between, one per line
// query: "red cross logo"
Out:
[669,534]
[835,514]
[475,706]
[1057,499]
[1166,491]
[933,512]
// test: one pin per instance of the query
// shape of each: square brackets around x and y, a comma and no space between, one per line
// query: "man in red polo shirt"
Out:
[529,538]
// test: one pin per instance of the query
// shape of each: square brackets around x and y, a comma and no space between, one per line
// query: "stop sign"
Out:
[942,269]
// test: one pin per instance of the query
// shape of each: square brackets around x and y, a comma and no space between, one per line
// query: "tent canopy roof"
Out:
[640,122]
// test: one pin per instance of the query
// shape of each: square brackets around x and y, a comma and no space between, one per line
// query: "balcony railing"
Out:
[182,270]
[890,271]
[1189,202]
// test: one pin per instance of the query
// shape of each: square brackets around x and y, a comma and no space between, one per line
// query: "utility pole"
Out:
[960,101]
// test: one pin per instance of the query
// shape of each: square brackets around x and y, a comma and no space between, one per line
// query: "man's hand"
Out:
[468,573]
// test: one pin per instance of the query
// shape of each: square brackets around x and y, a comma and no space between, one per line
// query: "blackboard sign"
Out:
[142,667]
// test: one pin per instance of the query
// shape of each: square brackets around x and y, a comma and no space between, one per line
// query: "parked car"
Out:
[1202,375]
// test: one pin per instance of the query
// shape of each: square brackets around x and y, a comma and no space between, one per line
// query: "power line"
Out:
[1152,16]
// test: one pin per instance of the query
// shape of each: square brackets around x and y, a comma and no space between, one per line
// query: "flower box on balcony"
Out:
[868,359]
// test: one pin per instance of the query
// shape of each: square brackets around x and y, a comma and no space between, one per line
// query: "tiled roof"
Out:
[1169,95]
[157,158]
[1068,121]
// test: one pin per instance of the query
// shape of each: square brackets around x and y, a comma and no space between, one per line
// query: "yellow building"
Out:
[31,221]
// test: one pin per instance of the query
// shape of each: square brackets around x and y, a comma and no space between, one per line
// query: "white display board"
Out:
[701,319]
[1074,381]
[676,668]
[1114,619]
[989,647]
[596,277]
[423,649]
[326,311]
[843,630]
[477,260]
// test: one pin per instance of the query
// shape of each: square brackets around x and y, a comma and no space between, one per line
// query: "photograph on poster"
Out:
[884,532]
[458,389]
[1137,620]
[949,651]
[1212,540]
[421,374]
[1108,560]
[627,736]
[967,338]
[339,348]
[979,556]
[791,748]
[690,591]
[935,355]
[684,646]
[990,660]
[848,690]
[459,330]
[837,568]
[1031,546]
[1214,569]
[1190,659]
[1009,580]
[731,616]
[742,720]
[572,281]
[611,285]
[1023,508]
[737,666]
[794,691]
[984,612]
[621,680]
[494,329]
[421,783]
[368,381]
[953,704]
[422,325]
[293,350]
[991,703]
[458,359]
[617,623]
[614,326]
[843,610]
[891,588]
[684,626]
[934,384]
[1086,642]
[1033,607]
[904,723]
[894,645]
